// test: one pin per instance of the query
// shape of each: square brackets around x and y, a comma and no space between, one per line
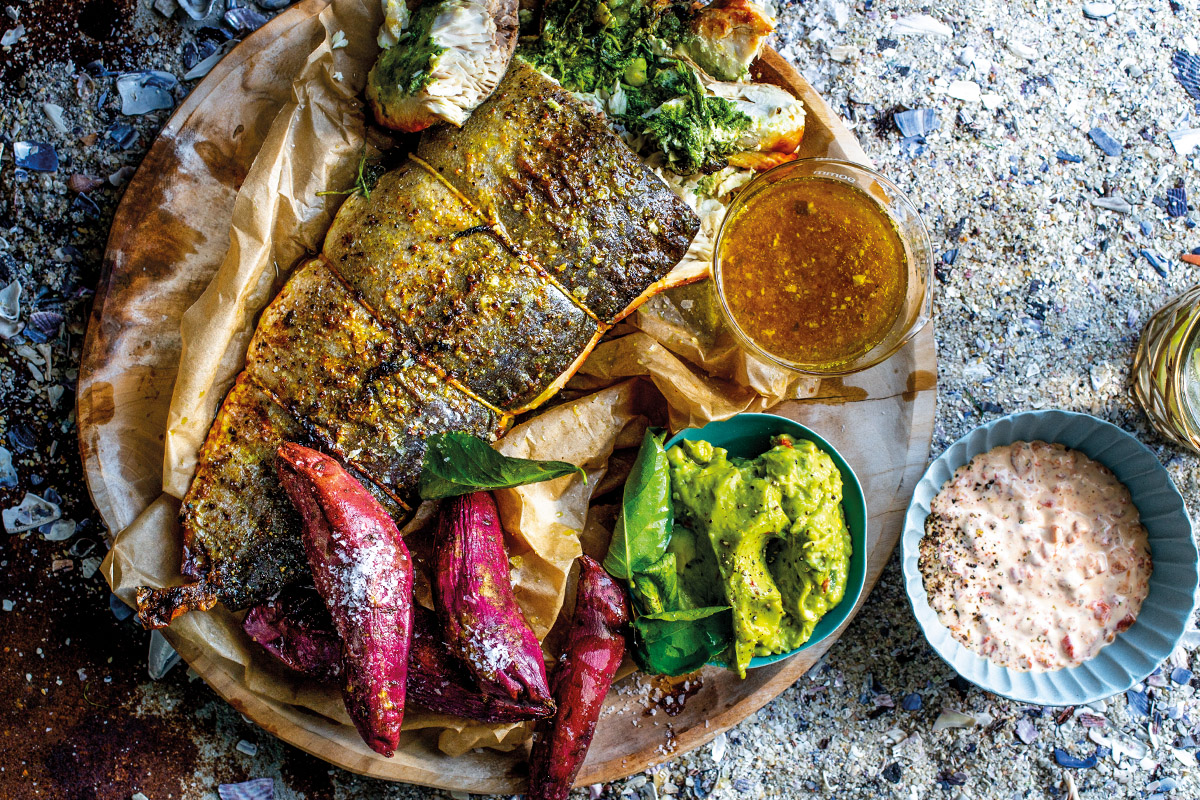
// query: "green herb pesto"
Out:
[769,531]
[405,68]
[606,45]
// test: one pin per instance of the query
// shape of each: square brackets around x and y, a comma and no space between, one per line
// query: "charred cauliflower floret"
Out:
[440,61]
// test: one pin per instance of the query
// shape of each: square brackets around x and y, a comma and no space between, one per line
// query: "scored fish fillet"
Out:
[465,289]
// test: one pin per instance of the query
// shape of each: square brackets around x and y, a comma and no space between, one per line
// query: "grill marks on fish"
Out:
[534,162]
[367,399]
[399,253]
[425,314]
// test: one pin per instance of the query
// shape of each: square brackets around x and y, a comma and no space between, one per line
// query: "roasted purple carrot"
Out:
[296,628]
[362,570]
[473,593]
[585,670]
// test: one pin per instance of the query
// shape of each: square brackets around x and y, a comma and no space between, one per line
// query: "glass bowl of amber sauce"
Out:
[824,267]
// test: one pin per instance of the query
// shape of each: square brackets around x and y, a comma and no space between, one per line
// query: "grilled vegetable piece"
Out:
[483,323]
[362,570]
[473,593]
[726,37]
[776,116]
[585,670]
[440,682]
[295,627]
[426,263]
[441,61]
[566,191]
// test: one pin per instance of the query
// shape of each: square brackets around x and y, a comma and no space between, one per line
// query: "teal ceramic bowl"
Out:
[749,435]
[1165,613]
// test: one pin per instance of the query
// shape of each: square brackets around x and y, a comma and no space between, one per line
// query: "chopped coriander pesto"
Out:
[405,68]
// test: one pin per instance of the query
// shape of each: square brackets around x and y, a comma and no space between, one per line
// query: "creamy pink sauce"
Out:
[1034,556]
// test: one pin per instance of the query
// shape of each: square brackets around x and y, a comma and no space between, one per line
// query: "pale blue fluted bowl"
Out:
[1165,614]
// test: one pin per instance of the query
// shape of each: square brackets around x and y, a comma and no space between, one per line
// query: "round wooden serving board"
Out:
[881,420]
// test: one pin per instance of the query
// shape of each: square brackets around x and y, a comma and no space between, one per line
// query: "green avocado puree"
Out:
[766,535]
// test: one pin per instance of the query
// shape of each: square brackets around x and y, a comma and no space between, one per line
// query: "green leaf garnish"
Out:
[458,463]
[679,642]
[643,528]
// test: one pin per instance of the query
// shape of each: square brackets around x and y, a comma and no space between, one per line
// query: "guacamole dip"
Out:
[766,535]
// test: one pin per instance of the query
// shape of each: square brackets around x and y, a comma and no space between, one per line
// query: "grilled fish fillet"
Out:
[466,288]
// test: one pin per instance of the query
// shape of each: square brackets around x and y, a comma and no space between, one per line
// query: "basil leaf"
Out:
[679,642]
[643,528]
[656,588]
[458,463]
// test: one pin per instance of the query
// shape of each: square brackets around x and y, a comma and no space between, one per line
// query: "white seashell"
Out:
[967,91]
[953,719]
[1099,10]
[1115,203]
[1022,50]
[10,301]
[921,24]
[1185,139]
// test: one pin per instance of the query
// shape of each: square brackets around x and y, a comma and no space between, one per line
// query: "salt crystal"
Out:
[920,24]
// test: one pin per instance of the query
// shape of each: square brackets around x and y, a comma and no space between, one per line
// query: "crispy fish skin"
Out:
[566,191]
[430,268]
[353,384]
[474,300]
[241,536]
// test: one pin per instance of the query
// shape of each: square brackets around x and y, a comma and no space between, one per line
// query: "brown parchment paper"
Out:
[672,362]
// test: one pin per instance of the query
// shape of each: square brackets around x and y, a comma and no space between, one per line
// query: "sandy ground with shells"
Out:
[1051,255]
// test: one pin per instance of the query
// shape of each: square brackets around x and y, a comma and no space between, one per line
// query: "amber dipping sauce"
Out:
[813,270]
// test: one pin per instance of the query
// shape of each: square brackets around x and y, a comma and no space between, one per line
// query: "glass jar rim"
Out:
[874,355]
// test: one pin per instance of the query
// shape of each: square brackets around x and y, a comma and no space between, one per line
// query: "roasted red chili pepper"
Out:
[362,570]
[473,593]
[582,677]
